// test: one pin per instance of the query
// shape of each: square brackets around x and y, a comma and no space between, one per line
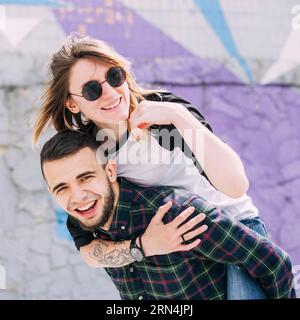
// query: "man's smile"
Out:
[87,210]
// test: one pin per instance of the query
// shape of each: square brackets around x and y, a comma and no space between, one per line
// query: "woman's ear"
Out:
[71,105]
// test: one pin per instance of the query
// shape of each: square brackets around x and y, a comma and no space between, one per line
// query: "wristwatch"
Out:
[135,251]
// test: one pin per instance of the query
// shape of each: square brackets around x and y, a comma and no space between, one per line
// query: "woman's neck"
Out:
[113,131]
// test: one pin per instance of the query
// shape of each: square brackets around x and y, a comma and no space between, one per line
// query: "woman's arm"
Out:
[220,163]
[159,238]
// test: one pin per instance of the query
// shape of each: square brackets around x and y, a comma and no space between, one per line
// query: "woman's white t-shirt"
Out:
[146,163]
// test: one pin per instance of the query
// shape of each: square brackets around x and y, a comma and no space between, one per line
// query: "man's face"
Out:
[81,187]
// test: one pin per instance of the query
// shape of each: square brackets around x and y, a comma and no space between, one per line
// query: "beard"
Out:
[108,210]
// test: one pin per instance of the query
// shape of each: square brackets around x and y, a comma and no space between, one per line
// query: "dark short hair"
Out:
[66,143]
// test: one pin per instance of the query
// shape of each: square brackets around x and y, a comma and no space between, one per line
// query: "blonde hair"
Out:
[53,110]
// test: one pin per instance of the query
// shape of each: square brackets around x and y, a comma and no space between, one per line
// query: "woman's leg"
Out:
[240,285]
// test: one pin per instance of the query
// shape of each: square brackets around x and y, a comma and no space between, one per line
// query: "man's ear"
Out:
[111,170]
[71,105]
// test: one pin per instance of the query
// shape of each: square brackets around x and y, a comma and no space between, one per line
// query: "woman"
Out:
[92,88]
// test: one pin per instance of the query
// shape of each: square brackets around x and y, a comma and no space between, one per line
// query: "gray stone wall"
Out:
[38,264]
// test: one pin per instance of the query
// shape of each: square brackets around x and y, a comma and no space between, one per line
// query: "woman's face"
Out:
[111,107]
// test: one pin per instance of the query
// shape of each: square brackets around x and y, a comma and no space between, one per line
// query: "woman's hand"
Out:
[220,163]
[148,113]
[160,238]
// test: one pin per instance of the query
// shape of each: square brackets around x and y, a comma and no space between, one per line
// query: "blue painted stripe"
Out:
[61,229]
[213,13]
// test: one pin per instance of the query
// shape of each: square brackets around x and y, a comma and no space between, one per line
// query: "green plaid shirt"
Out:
[197,274]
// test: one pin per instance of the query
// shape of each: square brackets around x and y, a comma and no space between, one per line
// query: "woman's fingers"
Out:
[134,124]
[162,210]
[141,118]
[143,125]
[135,114]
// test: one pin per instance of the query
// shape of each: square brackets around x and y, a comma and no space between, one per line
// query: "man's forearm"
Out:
[104,253]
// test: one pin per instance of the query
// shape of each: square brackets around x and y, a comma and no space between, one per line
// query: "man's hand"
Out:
[160,238]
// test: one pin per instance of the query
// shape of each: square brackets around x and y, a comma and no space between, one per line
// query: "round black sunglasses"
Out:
[92,90]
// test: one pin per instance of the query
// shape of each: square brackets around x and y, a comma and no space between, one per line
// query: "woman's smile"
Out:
[112,106]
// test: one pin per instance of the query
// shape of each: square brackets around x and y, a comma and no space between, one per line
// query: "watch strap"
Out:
[141,246]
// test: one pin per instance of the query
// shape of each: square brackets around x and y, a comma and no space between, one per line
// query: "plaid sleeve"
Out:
[229,241]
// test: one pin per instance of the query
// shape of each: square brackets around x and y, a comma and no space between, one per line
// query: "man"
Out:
[101,205]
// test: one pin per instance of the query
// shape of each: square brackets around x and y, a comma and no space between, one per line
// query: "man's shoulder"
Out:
[156,196]
[182,200]
[151,195]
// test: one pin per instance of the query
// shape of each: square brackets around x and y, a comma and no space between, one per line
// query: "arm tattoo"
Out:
[115,257]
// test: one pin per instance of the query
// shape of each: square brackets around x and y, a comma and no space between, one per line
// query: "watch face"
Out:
[136,254]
